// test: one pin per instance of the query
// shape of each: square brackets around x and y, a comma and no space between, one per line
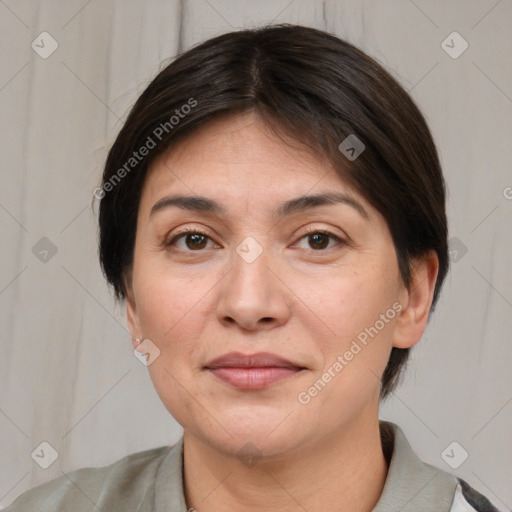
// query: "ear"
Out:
[417,301]
[132,317]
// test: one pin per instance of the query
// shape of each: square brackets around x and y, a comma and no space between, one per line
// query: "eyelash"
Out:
[309,232]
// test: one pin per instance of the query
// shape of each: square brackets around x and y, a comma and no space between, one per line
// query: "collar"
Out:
[169,492]
[410,483]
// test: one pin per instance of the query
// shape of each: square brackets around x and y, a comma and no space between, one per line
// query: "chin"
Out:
[255,434]
[253,444]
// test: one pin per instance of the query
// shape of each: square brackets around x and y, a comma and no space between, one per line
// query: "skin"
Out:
[303,298]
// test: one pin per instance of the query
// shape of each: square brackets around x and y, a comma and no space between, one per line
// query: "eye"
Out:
[318,239]
[194,240]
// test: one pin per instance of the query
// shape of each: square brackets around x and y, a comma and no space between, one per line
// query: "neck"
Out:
[343,471]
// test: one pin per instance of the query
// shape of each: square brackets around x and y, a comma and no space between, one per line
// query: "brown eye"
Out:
[319,240]
[193,241]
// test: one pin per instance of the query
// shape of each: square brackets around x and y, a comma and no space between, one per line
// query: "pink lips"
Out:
[254,371]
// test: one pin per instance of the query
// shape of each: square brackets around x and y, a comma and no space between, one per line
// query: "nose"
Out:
[253,296]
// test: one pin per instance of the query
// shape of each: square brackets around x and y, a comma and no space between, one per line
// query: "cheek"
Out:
[349,301]
[360,311]
[171,308]
[355,353]
[173,311]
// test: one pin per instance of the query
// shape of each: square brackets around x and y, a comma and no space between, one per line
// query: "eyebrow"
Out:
[296,205]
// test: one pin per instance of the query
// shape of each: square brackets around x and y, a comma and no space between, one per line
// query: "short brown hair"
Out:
[309,85]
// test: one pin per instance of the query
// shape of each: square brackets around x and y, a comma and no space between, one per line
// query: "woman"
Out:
[273,214]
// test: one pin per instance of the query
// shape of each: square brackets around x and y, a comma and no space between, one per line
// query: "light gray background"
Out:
[68,375]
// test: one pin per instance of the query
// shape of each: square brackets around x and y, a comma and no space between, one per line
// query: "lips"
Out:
[252,371]
[258,360]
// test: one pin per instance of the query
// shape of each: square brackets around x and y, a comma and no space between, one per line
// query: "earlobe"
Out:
[413,318]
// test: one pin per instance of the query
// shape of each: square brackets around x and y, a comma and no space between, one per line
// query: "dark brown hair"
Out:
[308,85]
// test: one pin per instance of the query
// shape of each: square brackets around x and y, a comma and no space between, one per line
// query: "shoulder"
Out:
[412,484]
[467,499]
[128,481]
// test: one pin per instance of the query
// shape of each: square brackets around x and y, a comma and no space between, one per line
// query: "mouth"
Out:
[253,371]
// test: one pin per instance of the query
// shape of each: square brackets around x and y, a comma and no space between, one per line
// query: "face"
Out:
[250,270]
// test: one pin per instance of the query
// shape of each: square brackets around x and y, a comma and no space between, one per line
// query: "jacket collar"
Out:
[412,484]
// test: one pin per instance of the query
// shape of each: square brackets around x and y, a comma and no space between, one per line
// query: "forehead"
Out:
[239,158]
